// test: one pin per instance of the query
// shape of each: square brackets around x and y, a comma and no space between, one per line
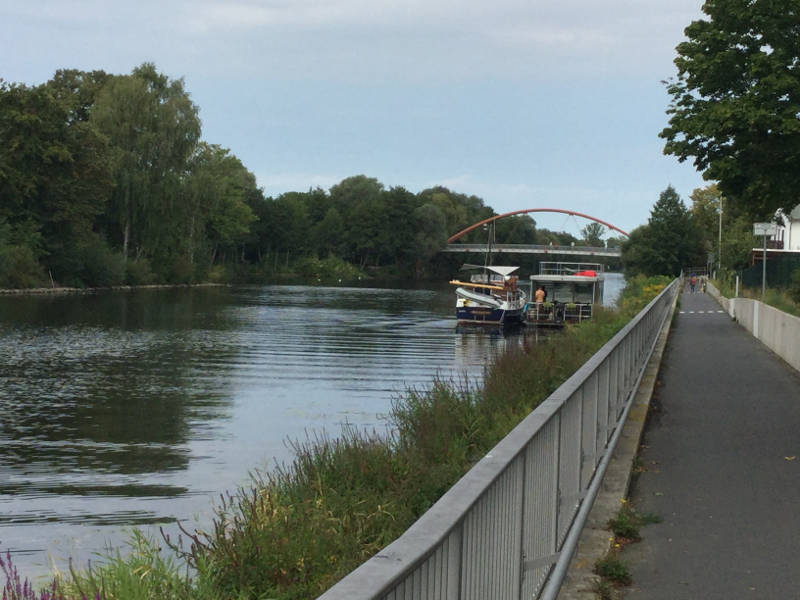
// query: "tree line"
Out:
[734,106]
[710,232]
[105,180]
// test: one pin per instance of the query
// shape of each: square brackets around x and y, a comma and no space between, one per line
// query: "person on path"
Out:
[692,282]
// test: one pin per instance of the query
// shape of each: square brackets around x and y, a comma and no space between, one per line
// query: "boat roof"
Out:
[567,278]
[504,271]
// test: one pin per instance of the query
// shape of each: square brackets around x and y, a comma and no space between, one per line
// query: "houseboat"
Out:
[570,293]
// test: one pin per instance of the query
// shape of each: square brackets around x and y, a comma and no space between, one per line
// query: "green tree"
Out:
[289,225]
[738,242]
[706,206]
[460,211]
[329,234]
[218,214]
[667,243]
[431,232]
[20,249]
[55,173]
[77,90]
[735,101]
[399,227]
[593,234]
[360,202]
[519,229]
[556,238]
[154,128]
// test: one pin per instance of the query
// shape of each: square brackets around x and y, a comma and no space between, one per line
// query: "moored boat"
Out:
[571,292]
[491,297]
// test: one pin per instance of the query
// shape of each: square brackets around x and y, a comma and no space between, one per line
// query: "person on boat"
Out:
[540,296]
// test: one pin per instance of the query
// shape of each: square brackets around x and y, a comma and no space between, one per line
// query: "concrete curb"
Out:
[596,539]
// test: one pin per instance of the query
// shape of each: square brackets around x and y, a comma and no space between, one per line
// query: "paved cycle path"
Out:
[722,459]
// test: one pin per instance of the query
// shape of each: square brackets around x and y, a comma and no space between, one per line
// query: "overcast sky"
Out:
[527,104]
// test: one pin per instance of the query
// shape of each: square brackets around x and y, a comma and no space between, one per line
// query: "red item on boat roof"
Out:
[586,273]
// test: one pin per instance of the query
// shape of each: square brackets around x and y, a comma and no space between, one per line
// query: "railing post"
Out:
[509,527]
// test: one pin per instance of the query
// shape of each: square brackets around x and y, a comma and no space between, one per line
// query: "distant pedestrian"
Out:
[692,282]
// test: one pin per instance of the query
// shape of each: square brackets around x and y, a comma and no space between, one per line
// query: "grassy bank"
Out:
[296,531]
[785,299]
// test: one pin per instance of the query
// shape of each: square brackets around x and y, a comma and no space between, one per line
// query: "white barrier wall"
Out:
[777,330]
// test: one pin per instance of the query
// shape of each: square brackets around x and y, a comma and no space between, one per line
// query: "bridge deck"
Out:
[536,249]
[723,467]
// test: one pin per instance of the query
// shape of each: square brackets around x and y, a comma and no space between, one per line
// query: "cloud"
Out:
[350,40]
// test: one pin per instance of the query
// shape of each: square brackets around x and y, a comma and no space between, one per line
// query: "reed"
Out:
[296,530]
[18,588]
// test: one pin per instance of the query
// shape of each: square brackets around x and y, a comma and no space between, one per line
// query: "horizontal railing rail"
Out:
[535,249]
[508,528]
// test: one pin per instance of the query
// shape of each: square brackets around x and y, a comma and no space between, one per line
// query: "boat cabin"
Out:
[572,290]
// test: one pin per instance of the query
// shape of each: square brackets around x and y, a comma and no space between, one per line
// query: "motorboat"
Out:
[490,297]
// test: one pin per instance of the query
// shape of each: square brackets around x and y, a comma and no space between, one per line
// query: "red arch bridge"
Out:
[452,246]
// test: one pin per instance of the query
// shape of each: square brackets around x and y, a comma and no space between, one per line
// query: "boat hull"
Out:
[484,315]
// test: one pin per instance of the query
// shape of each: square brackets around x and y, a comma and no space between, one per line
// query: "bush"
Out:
[139,272]
[180,270]
[218,274]
[19,268]
[794,288]
[331,269]
[100,265]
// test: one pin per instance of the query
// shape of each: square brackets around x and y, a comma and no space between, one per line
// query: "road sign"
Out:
[765,229]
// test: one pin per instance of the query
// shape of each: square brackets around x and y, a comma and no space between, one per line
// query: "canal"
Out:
[124,409]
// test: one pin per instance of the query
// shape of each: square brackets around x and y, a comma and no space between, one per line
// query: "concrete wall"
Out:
[777,330]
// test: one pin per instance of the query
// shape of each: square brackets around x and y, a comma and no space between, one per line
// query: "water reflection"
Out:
[141,407]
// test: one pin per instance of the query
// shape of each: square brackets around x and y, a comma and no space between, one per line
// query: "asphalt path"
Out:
[721,454]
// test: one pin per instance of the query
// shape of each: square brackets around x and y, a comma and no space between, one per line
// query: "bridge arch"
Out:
[463,232]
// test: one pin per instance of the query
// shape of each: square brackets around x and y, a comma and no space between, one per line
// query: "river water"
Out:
[139,408]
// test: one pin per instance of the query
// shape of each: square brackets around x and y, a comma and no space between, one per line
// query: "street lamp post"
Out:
[719,244]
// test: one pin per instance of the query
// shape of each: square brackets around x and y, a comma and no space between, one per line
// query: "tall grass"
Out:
[785,299]
[17,588]
[297,530]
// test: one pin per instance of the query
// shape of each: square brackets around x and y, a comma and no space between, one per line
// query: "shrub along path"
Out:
[722,459]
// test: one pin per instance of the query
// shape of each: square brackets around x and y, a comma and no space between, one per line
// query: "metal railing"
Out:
[568,268]
[508,528]
[534,249]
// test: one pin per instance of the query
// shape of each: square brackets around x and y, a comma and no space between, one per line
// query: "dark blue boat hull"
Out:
[484,315]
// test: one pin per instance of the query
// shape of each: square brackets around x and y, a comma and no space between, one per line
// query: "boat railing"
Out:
[568,268]
[558,312]
[577,312]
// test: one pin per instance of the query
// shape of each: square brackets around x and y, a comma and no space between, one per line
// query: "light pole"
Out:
[719,245]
